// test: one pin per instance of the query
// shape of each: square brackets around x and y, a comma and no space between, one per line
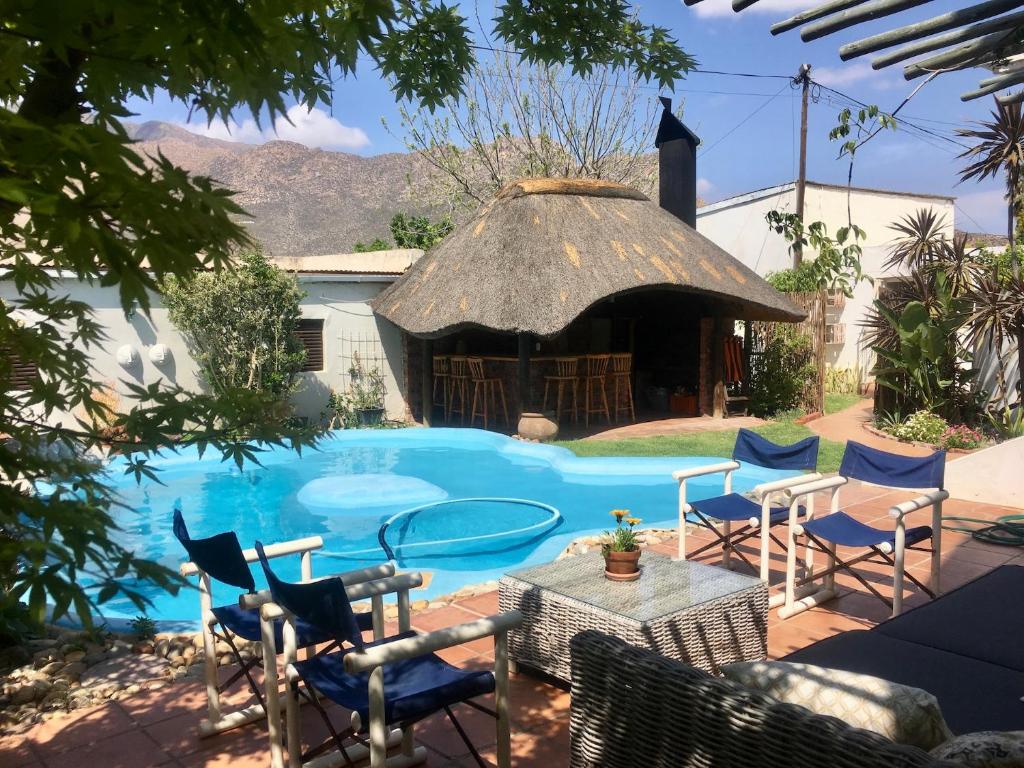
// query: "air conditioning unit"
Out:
[835,333]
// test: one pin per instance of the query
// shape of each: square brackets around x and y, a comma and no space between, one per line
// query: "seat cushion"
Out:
[902,713]
[735,507]
[413,688]
[980,619]
[839,528]
[246,624]
[988,749]
[973,695]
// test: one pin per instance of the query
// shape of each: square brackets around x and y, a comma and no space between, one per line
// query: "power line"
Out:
[903,120]
[738,125]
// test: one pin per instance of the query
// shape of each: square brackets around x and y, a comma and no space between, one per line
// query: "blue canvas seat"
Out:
[735,507]
[392,682]
[734,518]
[246,624]
[878,544]
[220,558]
[413,688]
[841,529]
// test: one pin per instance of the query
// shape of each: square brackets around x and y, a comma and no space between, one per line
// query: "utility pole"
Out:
[803,77]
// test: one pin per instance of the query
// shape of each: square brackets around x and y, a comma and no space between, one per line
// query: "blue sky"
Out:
[749,126]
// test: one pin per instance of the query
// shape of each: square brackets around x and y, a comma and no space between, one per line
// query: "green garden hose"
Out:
[1007,530]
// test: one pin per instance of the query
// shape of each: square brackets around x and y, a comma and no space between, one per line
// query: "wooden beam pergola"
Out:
[986,35]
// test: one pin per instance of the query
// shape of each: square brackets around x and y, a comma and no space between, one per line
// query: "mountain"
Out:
[302,201]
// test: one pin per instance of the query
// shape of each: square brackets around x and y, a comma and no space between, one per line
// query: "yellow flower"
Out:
[618,514]
[633,520]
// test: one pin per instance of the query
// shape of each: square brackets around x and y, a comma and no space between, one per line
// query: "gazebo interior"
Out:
[661,330]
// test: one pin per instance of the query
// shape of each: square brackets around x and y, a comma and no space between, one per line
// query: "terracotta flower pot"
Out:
[537,426]
[622,566]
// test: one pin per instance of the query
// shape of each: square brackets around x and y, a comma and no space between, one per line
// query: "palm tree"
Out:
[999,149]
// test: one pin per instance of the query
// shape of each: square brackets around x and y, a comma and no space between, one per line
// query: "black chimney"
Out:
[677,166]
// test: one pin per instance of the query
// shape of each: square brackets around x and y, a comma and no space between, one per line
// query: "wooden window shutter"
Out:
[311,335]
[23,373]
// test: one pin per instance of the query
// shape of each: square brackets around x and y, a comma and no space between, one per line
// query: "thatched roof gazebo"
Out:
[544,251]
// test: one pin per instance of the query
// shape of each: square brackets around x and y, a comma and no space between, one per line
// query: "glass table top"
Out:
[665,586]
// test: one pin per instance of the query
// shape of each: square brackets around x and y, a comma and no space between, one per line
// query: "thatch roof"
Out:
[544,250]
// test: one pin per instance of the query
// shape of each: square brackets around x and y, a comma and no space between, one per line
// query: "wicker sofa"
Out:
[632,708]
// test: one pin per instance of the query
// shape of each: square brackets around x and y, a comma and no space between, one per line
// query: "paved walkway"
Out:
[158,728]
[849,425]
[677,426]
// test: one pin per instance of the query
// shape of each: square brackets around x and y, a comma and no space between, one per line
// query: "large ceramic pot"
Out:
[622,566]
[370,417]
[537,426]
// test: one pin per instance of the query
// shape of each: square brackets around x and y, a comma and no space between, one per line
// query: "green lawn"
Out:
[835,402]
[705,444]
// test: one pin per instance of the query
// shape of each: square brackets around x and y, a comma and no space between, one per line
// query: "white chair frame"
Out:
[765,494]
[217,720]
[799,598]
[400,741]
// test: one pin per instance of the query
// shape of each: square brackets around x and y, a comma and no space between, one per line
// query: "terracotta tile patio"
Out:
[157,728]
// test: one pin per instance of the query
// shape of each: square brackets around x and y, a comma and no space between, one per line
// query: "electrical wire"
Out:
[738,125]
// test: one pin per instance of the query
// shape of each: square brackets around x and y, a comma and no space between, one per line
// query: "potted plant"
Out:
[366,394]
[621,548]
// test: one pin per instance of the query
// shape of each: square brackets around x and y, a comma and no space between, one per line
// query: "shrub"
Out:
[143,627]
[844,381]
[803,279]
[782,372]
[961,436]
[921,427]
[240,325]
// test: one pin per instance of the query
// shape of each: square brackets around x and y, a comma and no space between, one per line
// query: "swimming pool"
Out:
[358,479]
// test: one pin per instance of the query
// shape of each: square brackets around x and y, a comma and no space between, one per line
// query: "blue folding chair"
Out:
[879,545]
[221,558]
[389,682]
[753,513]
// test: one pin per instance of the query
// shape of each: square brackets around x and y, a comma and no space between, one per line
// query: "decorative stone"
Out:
[125,670]
[52,668]
[537,426]
[73,671]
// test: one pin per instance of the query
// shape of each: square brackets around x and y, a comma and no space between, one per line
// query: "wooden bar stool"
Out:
[565,376]
[622,385]
[440,383]
[458,384]
[485,391]
[595,396]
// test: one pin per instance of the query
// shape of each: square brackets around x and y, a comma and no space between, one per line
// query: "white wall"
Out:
[738,225]
[343,305]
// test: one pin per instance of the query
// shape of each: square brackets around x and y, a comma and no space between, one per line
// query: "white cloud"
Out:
[312,127]
[704,187]
[838,77]
[709,8]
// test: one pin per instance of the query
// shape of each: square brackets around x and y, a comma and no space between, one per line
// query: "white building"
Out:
[336,324]
[738,225]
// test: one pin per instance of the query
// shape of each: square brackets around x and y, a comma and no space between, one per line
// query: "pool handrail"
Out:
[390,552]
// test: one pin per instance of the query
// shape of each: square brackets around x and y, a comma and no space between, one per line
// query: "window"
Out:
[311,335]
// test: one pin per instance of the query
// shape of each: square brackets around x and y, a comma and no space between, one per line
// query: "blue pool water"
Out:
[358,479]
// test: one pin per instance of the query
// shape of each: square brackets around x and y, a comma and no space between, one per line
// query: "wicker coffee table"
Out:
[703,615]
